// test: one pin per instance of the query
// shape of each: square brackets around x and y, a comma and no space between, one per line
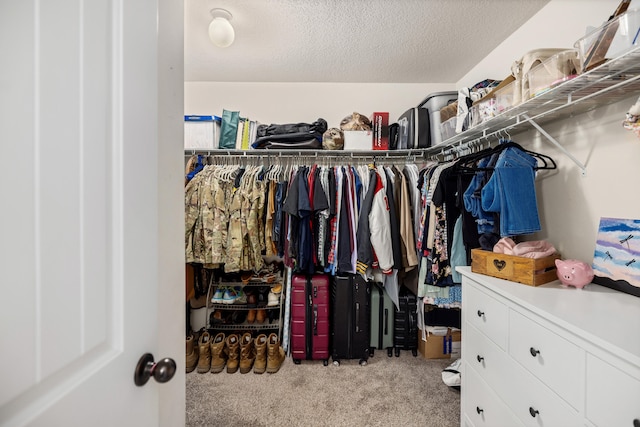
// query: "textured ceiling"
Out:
[372,41]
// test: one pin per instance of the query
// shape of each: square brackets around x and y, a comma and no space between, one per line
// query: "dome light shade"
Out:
[221,32]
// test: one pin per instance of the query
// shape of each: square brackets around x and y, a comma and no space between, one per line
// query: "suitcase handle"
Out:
[315,319]
[386,321]
[357,316]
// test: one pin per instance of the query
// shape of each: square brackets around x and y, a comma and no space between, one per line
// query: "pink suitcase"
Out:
[310,318]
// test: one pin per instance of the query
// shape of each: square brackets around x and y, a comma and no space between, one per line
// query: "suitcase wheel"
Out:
[390,352]
[363,362]
[296,361]
[336,362]
[397,351]
[371,352]
[325,362]
[414,352]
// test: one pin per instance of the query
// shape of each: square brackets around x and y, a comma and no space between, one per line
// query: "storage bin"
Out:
[504,98]
[528,271]
[552,71]
[448,128]
[610,40]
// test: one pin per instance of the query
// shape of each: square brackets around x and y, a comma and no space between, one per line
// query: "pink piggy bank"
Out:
[572,272]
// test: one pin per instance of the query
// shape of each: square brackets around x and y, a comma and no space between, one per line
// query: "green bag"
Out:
[229,129]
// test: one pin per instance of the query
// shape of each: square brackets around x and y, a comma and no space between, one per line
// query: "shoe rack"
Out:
[235,317]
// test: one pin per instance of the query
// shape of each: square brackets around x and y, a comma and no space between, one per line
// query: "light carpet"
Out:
[388,391]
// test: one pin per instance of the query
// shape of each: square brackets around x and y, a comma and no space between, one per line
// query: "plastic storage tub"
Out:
[552,71]
[504,98]
[610,40]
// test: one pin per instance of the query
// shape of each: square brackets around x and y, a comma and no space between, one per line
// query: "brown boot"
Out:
[204,363]
[247,353]
[261,315]
[275,354]
[260,344]
[233,350]
[192,354]
[251,316]
[218,356]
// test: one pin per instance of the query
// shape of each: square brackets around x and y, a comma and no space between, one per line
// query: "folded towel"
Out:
[504,246]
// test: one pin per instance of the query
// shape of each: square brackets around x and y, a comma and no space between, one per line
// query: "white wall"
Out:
[570,204]
[305,102]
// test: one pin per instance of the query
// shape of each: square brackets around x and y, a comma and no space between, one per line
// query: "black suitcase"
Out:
[382,315]
[405,333]
[350,330]
[414,129]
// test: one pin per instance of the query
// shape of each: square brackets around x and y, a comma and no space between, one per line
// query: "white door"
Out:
[90,247]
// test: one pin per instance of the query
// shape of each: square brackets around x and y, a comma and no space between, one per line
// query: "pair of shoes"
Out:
[273,299]
[213,354]
[261,315]
[275,354]
[234,296]
[192,354]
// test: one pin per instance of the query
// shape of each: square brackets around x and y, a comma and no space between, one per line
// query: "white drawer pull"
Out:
[533,412]
[480,358]
[479,410]
[480,313]
[534,352]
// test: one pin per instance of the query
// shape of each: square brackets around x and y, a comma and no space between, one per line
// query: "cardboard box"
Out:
[358,140]
[529,271]
[380,123]
[440,343]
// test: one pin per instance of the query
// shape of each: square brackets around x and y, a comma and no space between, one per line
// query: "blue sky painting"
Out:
[617,253]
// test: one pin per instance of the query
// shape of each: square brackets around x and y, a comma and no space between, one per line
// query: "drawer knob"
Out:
[479,410]
[534,352]
[533,412]
[480,313]
[636,422]
[480,358]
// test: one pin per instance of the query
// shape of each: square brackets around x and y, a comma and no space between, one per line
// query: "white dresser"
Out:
[548,355]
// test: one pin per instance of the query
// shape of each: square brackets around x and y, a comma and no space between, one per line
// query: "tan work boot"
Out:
[247,353]
[218,355]
[275,354]
[204,363]
[233,350]
[192,354]
[260,344]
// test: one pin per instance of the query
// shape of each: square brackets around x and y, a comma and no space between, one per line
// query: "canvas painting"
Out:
[616,261]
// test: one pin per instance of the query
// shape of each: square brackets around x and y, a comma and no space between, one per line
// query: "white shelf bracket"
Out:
[551,139]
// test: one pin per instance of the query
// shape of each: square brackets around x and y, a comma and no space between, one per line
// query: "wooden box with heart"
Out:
[529,271]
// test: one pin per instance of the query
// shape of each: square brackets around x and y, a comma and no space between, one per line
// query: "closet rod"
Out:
[320,154]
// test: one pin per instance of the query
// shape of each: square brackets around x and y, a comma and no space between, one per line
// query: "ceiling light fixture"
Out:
[221,32]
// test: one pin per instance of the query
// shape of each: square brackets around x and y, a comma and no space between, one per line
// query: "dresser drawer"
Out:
[613,397]
[536,404]
[487,314]
[555,361]
[489,361]
[481,404]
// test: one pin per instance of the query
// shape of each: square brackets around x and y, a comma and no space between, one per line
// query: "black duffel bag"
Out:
[319,126]
[292,136]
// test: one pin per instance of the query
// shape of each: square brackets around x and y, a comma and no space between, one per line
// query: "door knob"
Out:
[162,371]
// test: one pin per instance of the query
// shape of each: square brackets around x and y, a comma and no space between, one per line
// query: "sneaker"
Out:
[218,296]
[229,296]
[241,297]
[273,299]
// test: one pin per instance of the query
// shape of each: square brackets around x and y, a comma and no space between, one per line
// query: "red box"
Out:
[380,123]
